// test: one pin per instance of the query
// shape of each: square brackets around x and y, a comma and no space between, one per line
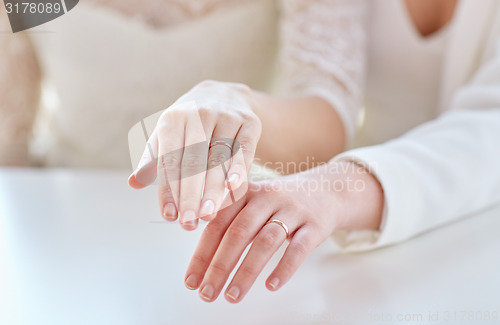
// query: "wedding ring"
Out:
[221,143]
[278,222]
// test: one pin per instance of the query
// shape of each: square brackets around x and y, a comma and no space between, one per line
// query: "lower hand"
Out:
[309,217]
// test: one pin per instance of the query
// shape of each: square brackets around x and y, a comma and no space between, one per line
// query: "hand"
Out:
[311,205]
[214,115]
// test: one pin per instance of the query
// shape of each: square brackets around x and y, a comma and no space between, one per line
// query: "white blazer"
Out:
[447,168]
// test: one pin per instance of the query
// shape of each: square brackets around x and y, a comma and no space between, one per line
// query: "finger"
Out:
[208,243]
[244,148]
[165,195]
[237,237]
[266,243]
[231,197]
[219,157]
[219,162]
[302,243]
[145,173]
[170,132]
[167,202]
[193,170]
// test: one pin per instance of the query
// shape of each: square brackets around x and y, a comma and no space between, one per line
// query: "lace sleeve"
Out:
[323,53]
[19,93]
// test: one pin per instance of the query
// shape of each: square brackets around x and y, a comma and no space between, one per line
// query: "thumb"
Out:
[145,173]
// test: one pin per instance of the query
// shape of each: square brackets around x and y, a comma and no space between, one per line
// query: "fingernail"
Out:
[274,283]
[188,217]
[192,282]
[169,211]
[233,179]
[207,208]
[207,293]
[233,293]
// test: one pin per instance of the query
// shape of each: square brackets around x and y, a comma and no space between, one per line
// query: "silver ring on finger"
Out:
[217,157]
[220,143]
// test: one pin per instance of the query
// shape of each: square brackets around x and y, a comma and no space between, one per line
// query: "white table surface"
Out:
[80,247]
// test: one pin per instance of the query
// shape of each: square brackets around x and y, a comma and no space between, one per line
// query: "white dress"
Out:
[110,71]
[435,157]
[106,71]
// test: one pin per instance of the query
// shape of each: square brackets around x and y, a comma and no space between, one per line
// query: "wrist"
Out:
[356,193]
[364,200]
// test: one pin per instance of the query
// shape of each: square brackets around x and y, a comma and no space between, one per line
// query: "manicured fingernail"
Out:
[192,282]
[274,283]
[207,208]
[233,179]
[233,293]
[169,211]
[207,293]
[188,217]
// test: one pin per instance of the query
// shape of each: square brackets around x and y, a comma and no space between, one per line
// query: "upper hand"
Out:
[178,151]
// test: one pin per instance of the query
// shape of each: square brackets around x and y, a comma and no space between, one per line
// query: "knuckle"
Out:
[246,147]
[268,238]
[217,157]
[216,194]
[165,191]
[250,118]
[193,160]
[242,88]
[170,161]
[288,267]
[230,117]
[315,224]
[200,260]
[247,137]
[254,124]
[256,207]
[207,83]
[300,247]
[238,232]
[214,228]
[168,116]
[163,124]
[219,268]
[248,271]
[206,113]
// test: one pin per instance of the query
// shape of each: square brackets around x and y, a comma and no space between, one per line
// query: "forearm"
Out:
[439,172]
[16,126]
[352,189]
[19,95]
[297,132]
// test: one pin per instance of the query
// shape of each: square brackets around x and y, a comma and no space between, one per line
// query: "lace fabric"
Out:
[324,52]
[164,13]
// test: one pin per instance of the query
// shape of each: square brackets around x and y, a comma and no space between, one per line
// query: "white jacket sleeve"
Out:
[323,53]
[440,171]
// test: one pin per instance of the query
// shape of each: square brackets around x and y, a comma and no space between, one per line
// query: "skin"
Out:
[20,77]
[226,110]
[244,115]
[311,214]
[311,129]
[429,16]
